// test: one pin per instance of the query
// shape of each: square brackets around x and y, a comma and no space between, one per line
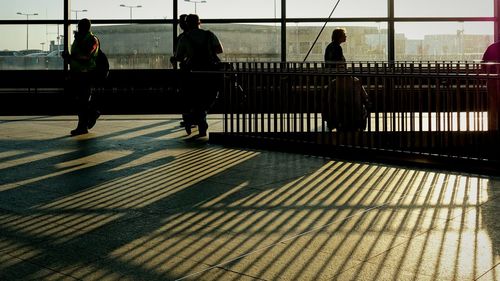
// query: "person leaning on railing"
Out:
[491,60]
[346,103]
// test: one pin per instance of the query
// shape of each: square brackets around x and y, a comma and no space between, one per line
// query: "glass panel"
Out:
[43,42]
[450,8]
[123,9]
[248,42]
[438,41]
[223,9]
[323,8]
[365,41]
[143,46]
[135,46]
[45,9]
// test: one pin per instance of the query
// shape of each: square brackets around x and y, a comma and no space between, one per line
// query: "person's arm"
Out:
[89,51]
[328,54]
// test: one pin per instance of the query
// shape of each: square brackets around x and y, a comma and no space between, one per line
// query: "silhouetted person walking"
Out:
[198,50]
[334,55]
[492,54]
[82,60]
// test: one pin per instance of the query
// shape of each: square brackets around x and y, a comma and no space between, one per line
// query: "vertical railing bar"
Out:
[226,101]
[430,113]
[412,111]
[307,110]
[296,104]
[258,93]
[262,111]
[283,102]
[269,103]
[315,102]
[465,102]
[420,113]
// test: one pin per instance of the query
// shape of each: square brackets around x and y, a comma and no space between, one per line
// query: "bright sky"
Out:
[157,9]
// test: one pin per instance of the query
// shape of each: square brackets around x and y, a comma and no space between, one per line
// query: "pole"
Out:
[27,25]
[321,31]
[27,31]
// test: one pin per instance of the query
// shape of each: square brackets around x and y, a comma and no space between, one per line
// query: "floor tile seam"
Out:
[284,180]
[241,273]
[42,266]
[488,271]
[381,268]
[332,277]
[416,237]
[406,238]
[79,232]
[427,205]
[278,207]
[256,186]
[314,229]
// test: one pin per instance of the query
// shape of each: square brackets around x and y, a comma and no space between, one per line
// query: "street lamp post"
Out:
[130,7]
[76,12]
[27,25]
[195,3]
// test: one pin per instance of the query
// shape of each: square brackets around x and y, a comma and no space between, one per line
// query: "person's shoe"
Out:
[203,129]
[78,131]
[92,121]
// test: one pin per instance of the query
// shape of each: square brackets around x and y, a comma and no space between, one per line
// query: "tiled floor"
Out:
[138,200]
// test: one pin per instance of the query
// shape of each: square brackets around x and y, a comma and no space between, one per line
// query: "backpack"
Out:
[102,63]
[204,57]
[346,105]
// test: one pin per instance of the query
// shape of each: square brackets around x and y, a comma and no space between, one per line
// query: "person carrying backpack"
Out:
[83,58]
[197,51]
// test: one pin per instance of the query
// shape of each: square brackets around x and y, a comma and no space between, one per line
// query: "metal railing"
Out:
[440,108]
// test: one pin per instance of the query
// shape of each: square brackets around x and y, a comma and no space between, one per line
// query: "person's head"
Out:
[338,35]
[192,21]
[182,21]
[84,26]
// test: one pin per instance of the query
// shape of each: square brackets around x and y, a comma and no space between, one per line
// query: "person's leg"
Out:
[93,112]
[202,125]
[82,94]
[188,95]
